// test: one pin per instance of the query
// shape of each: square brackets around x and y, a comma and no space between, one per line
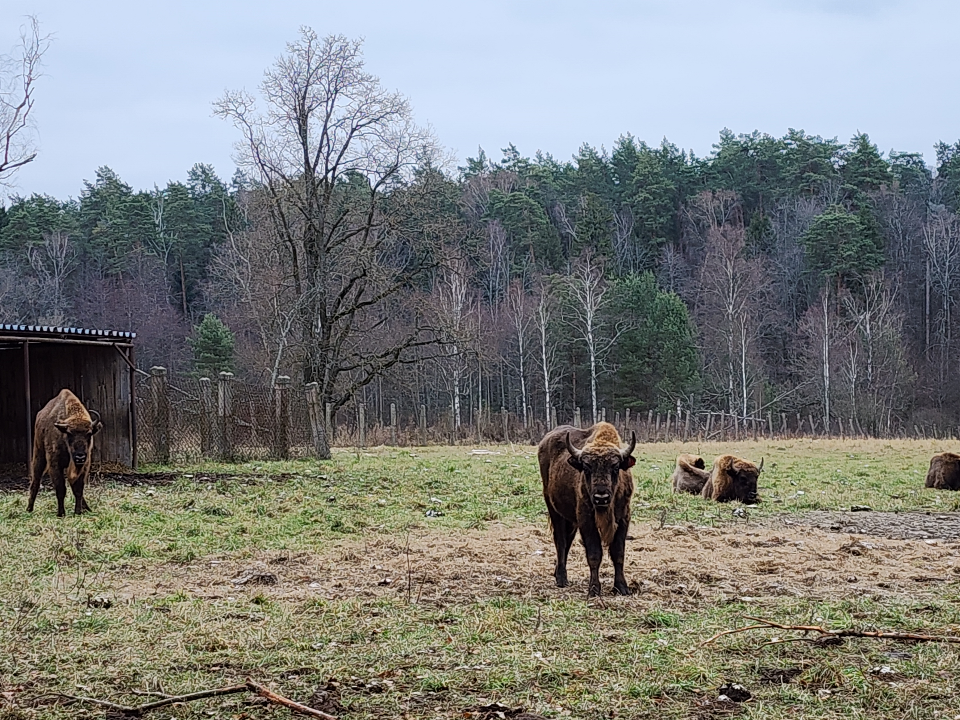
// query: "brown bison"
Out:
[690,474]
[733,479]
[62,447]
[587,486]
[944,472]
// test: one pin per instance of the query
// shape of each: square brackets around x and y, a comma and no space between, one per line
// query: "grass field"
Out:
[421,581]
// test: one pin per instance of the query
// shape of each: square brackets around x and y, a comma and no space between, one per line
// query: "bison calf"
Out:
[587,486]
[944,472]
[62,447]
[732,479]
[690,474]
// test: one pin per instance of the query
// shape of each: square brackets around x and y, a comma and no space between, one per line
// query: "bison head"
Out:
[746,475]
[79,435]
[600,467]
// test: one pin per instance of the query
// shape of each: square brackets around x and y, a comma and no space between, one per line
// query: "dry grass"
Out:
[433,616]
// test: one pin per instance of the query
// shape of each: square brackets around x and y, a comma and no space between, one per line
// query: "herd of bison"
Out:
[587,483]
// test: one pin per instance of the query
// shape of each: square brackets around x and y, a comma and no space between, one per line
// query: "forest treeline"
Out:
[792,274]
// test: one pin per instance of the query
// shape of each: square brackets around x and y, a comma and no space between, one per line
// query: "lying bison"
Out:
[732,479]
[62,447]
[587,486]
[690,475]
[944,472]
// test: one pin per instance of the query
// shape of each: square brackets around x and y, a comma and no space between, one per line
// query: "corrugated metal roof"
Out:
[50,331]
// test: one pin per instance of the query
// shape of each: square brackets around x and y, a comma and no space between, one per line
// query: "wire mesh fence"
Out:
[184,418]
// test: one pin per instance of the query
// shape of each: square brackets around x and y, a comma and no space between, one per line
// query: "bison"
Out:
[944,472]
[690,474]
[733,479]
[62,447]
[587,486]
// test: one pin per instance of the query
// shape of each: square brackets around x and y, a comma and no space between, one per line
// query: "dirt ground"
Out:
[677,566]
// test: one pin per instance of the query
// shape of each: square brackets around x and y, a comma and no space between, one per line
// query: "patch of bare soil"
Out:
[680,566]
[905,525]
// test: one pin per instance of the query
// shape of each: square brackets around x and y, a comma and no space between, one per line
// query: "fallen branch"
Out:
[286,702]
[136,711]
[826,634]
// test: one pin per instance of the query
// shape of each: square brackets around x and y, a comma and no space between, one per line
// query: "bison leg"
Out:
[563,532]
[594,549]
[617,552]
[36,471]
[60,488]
[79,503]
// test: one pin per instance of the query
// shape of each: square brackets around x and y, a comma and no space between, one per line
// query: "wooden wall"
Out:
[95,373]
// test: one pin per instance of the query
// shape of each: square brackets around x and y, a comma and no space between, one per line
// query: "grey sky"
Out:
[130,85]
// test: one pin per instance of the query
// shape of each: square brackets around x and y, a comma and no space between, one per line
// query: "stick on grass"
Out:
[827,633]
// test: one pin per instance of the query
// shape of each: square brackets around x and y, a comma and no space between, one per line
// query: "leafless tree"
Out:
[731,298]
[520,318]
[941,242]
[587,297]
[329,148]
[457,323]
[19,73]
[52,260]
[543,318]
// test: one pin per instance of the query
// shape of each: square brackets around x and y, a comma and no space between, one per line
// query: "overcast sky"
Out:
[130,84]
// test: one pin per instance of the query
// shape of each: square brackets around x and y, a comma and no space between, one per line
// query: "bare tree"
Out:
[328,151]
[18,77]
[941,243]
[543,318]
[587,295]
[52,260]
[520,318]
[457,325]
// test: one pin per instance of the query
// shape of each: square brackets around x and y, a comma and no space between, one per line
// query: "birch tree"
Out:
[19,73]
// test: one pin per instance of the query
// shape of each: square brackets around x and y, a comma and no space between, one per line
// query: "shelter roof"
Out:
[53,333]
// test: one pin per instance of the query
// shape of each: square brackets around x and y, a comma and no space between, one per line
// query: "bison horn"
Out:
[760,466]
[633,443]
[572,450]
[94,415]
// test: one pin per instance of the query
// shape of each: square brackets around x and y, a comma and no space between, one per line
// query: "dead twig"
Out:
[827,633]
[286,702]
[249,685]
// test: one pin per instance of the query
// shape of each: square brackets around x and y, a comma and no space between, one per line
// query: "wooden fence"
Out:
[223,418]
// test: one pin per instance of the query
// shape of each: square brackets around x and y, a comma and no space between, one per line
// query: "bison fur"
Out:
[944,472]
[62,448]
[733,479]
[690,475]
[587,486]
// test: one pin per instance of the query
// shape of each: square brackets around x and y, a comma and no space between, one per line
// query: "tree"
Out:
[586,296]
[18,78]
[655,356]
[327,152]
[213,347]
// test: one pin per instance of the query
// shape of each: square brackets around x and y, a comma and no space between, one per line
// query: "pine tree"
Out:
[213,347]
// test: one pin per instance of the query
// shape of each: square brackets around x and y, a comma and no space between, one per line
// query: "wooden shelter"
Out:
[37,362]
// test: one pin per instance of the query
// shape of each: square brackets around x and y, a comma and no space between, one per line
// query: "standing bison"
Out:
[690,474]
[62,447]
[587,486]
[733,479]
[944,472]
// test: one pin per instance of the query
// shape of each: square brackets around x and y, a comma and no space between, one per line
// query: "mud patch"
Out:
[898,525]
[679,567]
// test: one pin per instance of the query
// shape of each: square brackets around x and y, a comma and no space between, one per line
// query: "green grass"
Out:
[549,651]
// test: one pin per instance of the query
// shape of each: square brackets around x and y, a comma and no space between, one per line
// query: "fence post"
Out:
[328,422]
[225,415]
[506,429]
[649,425]
[207,421]
[362,424]
[423,424]
[576,417]
[313,412]
[626,419]
[161,412]
[603,414]
[281,418]
[686,427]
[393,423]
[616,422]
